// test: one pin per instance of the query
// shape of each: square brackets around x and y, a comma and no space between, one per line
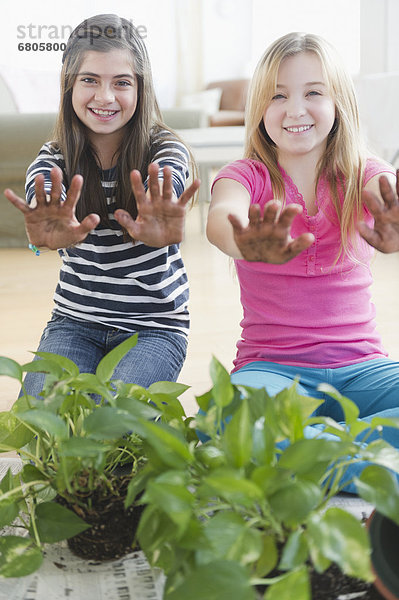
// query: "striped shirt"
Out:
[106,279]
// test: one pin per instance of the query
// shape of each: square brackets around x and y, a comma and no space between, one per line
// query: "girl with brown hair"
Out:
[108,193]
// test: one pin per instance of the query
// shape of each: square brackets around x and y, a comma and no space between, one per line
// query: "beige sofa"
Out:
[22,135]
[233,99]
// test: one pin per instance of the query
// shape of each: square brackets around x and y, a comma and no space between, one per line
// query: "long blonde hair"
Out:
[103,33]
[342,163]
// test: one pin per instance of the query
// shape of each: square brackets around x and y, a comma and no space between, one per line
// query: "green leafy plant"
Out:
[249,507]
[80,443]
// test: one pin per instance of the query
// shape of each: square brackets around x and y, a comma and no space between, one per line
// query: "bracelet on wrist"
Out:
[36,250]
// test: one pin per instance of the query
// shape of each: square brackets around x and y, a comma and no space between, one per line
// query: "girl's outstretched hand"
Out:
[385,234]
[267,239]
[52,222]
[160,217]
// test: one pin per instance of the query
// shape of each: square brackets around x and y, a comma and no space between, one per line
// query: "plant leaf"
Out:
[168,387]
[107,365]
[293,503]
[210,456]
[22,404]
[32,473]
[90,384]
[302,456]
[223,391]
[9,511]
[10,368]
[231,539]
[258,399]
[13,433]
[55,522]
[65,363]
[350,409]
[342,538]
[155,530]
[295,551]
[233,487]
[137,484]
[270,479]
[381,453]
[131,390]
[288,413]
[330,425]
[44,366]
[268,558]
[318,560]
[380,487]
[82,447]
[220,580]
[294,585]
[237,438]
[384,422]
[138,409]
[263,442]
[108,423]
[45,421]
[169,406]
[18,556]
[169,445]
[70,467]
[204,401]
[8,482]
[170,494]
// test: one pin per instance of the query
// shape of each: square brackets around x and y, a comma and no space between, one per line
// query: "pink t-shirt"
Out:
[308,312]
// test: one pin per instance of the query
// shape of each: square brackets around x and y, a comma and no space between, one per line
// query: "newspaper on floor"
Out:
[352,504]
[64,576]
[15,464]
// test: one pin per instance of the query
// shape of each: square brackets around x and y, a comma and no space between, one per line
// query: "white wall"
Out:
[380,41]
[228,31]
[192,42]
[378,82]
[34,75]
[336,20]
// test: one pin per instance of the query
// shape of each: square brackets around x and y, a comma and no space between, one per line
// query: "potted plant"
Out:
[247,513]
[384,536]
[80,449]
[246,510]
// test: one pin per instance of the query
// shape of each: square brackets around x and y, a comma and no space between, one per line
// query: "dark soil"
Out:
[332,584]
[113,527]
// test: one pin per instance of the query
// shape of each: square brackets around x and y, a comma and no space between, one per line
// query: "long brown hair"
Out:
[343,160]
[103,33]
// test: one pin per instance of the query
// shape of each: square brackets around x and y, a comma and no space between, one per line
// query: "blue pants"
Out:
[158,355]
[373,385]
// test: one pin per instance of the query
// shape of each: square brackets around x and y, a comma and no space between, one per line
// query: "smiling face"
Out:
[301,113]
[104,95]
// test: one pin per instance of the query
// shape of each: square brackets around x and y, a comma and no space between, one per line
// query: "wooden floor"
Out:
[27,283]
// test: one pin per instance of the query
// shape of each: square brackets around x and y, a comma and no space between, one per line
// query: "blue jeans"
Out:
[158,355]
[373,385]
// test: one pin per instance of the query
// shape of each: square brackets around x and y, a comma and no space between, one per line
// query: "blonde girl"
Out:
[298,215]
